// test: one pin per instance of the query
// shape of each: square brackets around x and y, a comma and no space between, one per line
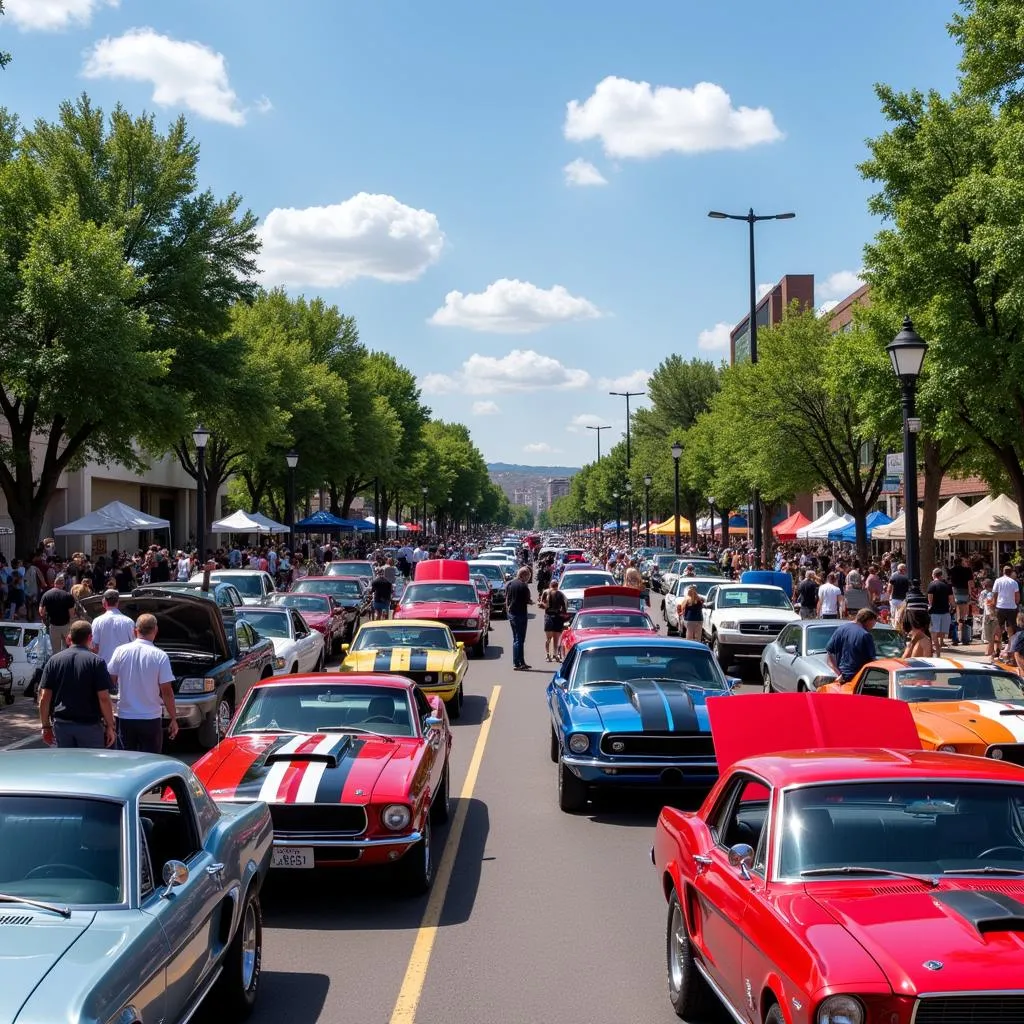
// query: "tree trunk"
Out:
[26,511]
[767,537]
[859,510]
[692,510]
[934,471]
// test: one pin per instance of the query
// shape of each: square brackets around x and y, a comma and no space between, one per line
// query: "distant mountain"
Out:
[544,471]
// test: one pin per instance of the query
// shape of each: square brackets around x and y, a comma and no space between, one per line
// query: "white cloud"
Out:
[520,370]
[635,381]
[763,290]
[182,74]
[365,236]
[540,448]
[513,307]
[52,15]
[486,409]
[583,172]
[632,119]
[839,285]
[263,105]
[826,307]
[715,338]
[579,423]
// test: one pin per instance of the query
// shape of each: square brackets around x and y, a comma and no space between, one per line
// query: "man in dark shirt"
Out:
[898,588]
[807,595]
[382,589]
[74,704]
[517,601]
[940,608]
[960,579]
[852,646]
[55,608]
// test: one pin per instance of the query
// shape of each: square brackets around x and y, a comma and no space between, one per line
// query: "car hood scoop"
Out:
[331,757]
[648,705]
[986,911]
[32,950]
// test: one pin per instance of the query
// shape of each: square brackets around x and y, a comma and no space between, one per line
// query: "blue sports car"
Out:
[629,711]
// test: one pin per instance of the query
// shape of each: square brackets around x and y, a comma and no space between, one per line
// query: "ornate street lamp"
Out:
[424,489]
[200,438]
[647,506]
[291,460]
[677,451]
[618,518]
[629,512]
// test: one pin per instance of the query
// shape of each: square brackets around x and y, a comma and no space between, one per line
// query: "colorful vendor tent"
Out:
[787,529]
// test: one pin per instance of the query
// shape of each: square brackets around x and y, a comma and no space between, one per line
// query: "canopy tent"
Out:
[385,525]
[326,522]
[998,520]
[897,529]
[952,523]
[247,522]
[115,517]
[669,526]
[268,524]
[820,527]
[787,529]
[412,527]
[706,526]
[848,533]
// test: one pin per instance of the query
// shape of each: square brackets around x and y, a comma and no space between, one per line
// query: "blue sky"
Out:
[420,165]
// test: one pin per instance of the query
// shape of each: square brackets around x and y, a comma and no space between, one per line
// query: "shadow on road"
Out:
[474,710]
[494,652]
[284,995]
[633,810]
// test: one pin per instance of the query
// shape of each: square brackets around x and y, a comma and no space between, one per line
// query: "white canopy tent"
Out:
[819,529]
[949,525]
[247,522]
[388,524]
[115,517]
[897,529]
[997,520]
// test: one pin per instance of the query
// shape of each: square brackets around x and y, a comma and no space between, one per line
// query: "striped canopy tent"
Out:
[669,526]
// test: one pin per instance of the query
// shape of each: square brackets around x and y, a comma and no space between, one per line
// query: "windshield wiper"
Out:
[352,728]
[988,869]
[7,898]
[856,869]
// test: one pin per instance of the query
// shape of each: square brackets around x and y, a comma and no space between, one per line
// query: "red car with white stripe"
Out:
[354,769]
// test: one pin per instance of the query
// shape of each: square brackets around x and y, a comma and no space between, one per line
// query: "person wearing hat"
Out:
[111,629]
[55,608]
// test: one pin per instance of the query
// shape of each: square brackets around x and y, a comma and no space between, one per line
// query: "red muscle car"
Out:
[443,591]
[614,621]
[322,612]
[353,767]
[862,881]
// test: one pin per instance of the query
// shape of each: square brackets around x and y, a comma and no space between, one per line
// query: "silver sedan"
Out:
[795,661]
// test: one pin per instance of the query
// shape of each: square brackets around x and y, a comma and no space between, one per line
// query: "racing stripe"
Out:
[418,660]
[276,773]
[651,704]
[682,714]
[251,782]
[1013,724]
[313,771]
[293,775]
[332,782]
[382,662]
[400,660]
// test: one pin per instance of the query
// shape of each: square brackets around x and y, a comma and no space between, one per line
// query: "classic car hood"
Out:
[589,634]
[399,659]
[903,925]
[297,769]
[971,721]
[29,951]
[439,610]
[647,706]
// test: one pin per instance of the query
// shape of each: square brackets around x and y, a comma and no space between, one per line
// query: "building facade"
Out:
[770,310]
[558,487]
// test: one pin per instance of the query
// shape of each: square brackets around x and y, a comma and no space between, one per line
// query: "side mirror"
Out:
[742,856]
[733,681]
[460,645]
[561,682]
[430,722]
[790,648]
[175,874]
[345,648]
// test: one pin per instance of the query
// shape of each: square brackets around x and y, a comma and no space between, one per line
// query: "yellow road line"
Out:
[419,960]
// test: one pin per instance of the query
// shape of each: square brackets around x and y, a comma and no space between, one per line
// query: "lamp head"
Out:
[677,451]
[907,351]
[200,436]
[717,215]
[647,480]
[292,458]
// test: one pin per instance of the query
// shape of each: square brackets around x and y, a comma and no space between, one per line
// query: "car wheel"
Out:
[671,630]
[687,990]
[462,696]
[768,688]
[216,725]
[294,670]
[8,698]
[454,706]
[441,808]
[722,656]
[554,746]
[572,792]
[236,989]
[480,649]
[319,666]
[416,868]
[774,1015]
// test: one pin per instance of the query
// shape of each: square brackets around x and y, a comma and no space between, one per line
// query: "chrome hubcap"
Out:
[248,946]
[677,940]
[223,716]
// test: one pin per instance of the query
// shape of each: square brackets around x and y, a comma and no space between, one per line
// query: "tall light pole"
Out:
[618,517]
[629,512]
[451,514]
[751,219]
[647,506]
[467,518]
[711,505]
[599,429]
[907,351]
[627,395]
[376,509]
[677,451]
[424,489]
[291,460]
[200,438]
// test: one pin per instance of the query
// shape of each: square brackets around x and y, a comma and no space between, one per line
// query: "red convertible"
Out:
[863,881]
[443,591]
[353,767]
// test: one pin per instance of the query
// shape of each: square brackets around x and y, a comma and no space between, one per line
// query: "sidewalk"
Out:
[19,725]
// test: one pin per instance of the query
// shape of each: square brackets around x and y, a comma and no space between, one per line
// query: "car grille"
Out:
[1011,752]
[649,744]
[497,597]
[455,624]
[769,630]
[972,1009]
[422,678]
[325,819]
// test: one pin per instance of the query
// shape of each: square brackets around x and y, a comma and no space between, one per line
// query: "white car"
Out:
[574,581]
[254,585]
[741,619]
[297,647]
[674,598]
[17,636]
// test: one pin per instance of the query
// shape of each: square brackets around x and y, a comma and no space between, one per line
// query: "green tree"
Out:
[5,58]
[117,277]
[991,35]
[522,517]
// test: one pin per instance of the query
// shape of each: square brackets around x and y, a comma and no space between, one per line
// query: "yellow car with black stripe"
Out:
[419,649]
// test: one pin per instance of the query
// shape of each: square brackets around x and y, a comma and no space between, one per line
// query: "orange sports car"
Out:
[958,707]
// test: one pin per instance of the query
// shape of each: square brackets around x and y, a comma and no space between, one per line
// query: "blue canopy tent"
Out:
[848,533]
[737,522]
[326,522]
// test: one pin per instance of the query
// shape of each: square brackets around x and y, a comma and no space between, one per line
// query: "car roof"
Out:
[749,586]
[401,624]
[339,678]
[676,643]
[110,774]
[332,579]
[805,767]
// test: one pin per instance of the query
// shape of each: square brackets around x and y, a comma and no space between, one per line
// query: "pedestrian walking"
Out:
[382,589]
[517,602]
[143,677]
[807,595]
[987,604]
[852,646]
[940,608]
[830,599]
[1007,592]
[555,608]
[897,589]
[112,629]
[55,608]
[691,612]
[74,705]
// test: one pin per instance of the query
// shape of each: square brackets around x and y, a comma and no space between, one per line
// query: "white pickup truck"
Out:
[741,619]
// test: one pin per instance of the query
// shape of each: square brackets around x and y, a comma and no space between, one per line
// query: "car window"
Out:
[335,588]
[246,637]
[268,623]
[753,597]
[303,602]
[462,593]
[790,636]
[602,665]
[874,683]
[612,620]
[167,817]
[397,635]
[923,685]
[740,817]
[300,627]
[250,585]
[583,580]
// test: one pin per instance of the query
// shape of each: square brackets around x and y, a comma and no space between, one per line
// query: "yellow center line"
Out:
[419,960]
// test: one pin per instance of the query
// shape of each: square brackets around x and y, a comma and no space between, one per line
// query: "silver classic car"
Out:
[126,894]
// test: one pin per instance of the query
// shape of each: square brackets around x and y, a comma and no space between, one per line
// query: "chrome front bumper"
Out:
[327,839]
[575,761]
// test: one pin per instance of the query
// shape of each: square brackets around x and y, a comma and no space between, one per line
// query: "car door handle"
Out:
[702,862]
[216,871]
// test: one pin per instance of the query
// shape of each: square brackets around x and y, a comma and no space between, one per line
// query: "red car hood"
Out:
[439,610]
[903,924]
[301,768]
[316,619]
[589,634]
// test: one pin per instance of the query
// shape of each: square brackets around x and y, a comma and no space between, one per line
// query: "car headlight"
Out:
[729,624]
[472,623]
[447,677]
[396,817]
[579,743]
[196,684]
[947,748]
[841,1010]
[822,680]
[279,663]
[997,755]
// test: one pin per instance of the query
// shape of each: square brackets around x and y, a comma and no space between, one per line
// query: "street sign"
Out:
[894,464]
[892,485]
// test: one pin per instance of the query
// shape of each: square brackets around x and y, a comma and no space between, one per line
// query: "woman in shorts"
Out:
[555,609]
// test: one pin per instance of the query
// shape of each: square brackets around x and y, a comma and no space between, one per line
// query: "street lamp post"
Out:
[907,351]
[618,523]
[451,514]
[677,451]
[599,429]
[629,513]
[200,438]
[647,506]
[627,395]
[711,505]
[291,460]
[751,219]
[424,490]
[467,518]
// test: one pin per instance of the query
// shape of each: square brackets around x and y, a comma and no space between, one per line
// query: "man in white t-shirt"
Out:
[830,599]
[1007,593]
[184,567]
[112,629]
[143,677]
[419,554]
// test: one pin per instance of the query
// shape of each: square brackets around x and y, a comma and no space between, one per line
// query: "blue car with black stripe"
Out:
[628,711]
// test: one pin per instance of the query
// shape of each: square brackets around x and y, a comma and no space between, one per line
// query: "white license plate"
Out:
[292,857]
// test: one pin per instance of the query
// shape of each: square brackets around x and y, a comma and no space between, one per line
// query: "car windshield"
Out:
[458,593]
[376,637]
[927,826]
[268,623]
[336,588]
[700,568]
[753,597]
[326,707]
[612,620]
[350,569]
[62,849]
[703,586]
[922,685]
[663,561]
[249,585]
[888,643]
[492,571]
[620,664]
[303,602]
[582,580]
